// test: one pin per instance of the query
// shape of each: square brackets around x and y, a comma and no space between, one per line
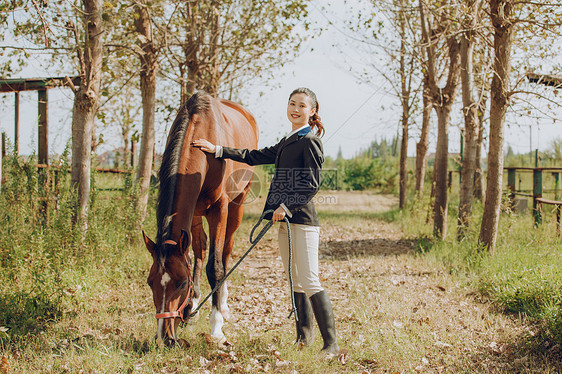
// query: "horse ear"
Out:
[149,244]
[184,241]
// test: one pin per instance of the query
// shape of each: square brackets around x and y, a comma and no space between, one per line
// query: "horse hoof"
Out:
[219,338]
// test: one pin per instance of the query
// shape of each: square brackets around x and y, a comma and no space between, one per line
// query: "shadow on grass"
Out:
[327,215]
[526,355]
[341,250]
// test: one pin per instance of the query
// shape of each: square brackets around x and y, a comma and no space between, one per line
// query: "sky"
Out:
[354,113]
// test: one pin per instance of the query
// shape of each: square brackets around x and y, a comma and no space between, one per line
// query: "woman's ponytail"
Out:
[316,124]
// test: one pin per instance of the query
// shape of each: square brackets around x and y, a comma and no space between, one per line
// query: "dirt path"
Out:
[395,311]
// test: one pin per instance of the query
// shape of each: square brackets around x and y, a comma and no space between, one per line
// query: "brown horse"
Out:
[192,185]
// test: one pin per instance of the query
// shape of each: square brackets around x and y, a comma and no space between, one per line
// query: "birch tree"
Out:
[543,19]
[442,98]
[148,55]
[423,143]
[89,47]
[221,46]
[386,36]
[470,21]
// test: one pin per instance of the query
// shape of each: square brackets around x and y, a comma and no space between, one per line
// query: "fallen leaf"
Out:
[495,348]
[226,343]
[440,344]
[183,343]
[203,362]
[281,364]
[236,368]
[4,366]
[343,357]
[208,338]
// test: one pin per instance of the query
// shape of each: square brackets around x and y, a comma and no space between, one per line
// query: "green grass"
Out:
[68,305]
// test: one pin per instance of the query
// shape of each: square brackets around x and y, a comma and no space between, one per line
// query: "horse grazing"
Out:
[192,185]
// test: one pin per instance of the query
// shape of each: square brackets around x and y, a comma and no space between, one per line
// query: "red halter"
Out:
[179,312]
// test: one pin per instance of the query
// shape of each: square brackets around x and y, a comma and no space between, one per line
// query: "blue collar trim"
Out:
[304,131]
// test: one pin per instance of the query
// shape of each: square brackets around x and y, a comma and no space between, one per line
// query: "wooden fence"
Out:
[536,193]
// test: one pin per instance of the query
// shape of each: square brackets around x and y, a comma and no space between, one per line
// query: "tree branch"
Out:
[45,25]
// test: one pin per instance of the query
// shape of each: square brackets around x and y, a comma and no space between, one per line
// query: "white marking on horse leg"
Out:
[217,321]
[225,310]
[160,326]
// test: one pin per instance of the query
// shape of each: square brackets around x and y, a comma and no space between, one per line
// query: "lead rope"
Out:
[254,242]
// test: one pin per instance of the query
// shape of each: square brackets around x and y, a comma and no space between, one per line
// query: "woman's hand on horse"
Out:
[278,215]
[205,145]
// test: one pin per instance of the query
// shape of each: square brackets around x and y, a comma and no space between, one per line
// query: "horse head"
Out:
[171,283]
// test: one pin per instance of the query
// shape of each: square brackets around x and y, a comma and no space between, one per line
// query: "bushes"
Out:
[364,173]
[42,257]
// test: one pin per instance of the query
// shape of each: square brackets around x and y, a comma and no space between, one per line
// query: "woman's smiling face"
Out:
[300,109]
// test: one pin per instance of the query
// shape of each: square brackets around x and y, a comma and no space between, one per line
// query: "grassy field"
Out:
[403,303]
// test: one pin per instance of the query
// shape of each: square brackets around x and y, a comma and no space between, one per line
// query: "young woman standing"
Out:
[298,159]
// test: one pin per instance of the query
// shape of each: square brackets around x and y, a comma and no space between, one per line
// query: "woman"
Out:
[298,159]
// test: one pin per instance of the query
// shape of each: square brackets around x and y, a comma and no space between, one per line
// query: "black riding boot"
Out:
[305,324]
[325,317]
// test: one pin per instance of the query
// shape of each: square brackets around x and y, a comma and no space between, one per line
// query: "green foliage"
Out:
[365,173]
[44,265]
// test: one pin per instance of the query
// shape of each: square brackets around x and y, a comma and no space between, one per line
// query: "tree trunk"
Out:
[479,185]
[443,101]
[192,77]
[405,98]
[149,67]
[423,144]
[404,158]
[470,111]
[500,11]
[84,110]
[440,172]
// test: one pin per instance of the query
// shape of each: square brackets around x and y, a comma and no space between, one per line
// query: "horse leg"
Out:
[199,246]
[217,218]
[235,213]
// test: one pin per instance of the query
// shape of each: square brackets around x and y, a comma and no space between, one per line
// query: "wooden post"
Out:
[3,144]
[537,192]
[17,124]
[1,158]
[537,158]
[511,185]
[462,157]
[43,132]
[133,152]
[43,152]
[558,220]
[556,176]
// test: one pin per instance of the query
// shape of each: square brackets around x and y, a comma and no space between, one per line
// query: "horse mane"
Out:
[168,174]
